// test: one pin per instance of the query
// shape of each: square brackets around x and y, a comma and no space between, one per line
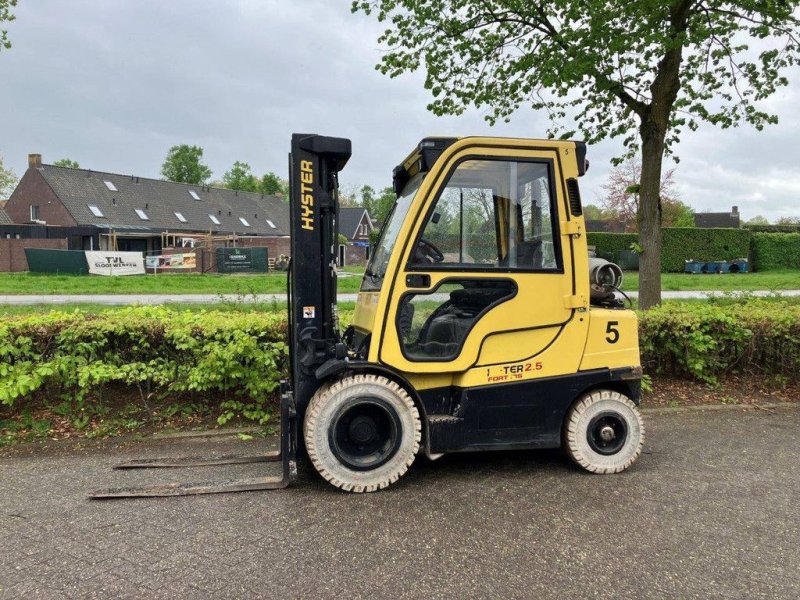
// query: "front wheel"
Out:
[604,432]
[362,433]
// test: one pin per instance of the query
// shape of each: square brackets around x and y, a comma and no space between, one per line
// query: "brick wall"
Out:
[34,190]
[12,252]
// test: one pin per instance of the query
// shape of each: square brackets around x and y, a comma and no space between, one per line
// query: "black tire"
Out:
[362,433]
[604,432]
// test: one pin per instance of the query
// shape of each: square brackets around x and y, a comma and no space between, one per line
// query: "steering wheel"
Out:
[426,252]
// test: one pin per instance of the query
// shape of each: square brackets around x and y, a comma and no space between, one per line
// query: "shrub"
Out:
[705,340]
[695,243]
[776,251]
[679,244]
[227,356]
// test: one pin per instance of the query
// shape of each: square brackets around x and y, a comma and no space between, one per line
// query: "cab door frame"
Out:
[389,349]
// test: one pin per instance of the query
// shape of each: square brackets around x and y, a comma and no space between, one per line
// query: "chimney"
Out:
[34,161]
[735,211]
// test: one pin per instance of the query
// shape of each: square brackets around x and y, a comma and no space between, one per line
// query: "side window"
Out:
[492,214]
[434,324]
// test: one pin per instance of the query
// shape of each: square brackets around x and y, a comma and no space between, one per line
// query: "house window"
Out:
[244,222]
[194,195]
[111,187]
[214,219]
[34,212]
[271,224]
[180,217]
[142,215]
[95,210]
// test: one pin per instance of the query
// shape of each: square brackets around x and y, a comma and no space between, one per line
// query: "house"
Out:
[718,219]
[355,224]
[108,211]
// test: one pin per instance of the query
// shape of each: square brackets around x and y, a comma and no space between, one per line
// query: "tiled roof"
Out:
[711,219]
[349,220]
[159,200]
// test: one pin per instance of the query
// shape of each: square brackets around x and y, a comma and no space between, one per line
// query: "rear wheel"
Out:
[362,433]
[604,432]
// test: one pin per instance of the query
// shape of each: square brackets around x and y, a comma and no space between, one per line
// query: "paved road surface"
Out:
[711,510]
[121,299]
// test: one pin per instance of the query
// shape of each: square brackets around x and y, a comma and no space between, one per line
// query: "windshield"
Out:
[376,269]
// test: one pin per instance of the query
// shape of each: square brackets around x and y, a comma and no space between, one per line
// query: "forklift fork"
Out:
[286,455]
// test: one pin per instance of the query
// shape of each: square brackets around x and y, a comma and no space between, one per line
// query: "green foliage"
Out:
[272,185]
[706,340]
[183,165]
[8,181]
[378,204]
[67,163]
[776,251]
[700,243]
[5,15]
[237,358]
[605,60]
[609,245]
[680,244]
[767,228]
[240,177]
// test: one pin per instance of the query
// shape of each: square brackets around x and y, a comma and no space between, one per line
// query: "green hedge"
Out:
[239,358]
[772,228]
[695,243]
[226,356]
[776,251]
[680,244]
[705,340]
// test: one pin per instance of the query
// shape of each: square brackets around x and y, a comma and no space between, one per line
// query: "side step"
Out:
[286,456]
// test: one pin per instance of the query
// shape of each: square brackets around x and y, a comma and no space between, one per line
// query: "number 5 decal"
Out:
[612,331]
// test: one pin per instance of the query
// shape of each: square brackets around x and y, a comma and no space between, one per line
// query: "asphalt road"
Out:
[124,299]
[709,511]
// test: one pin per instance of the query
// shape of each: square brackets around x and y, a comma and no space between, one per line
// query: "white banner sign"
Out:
[115,263]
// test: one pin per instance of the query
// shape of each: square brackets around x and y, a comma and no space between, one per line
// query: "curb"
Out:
[668,410]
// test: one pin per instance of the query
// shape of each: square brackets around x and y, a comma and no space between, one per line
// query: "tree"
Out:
[8,181]
[240,177]
[183,165]
[272,185]
[788,221]
[622,197]
[5,15]
[758,220]
[378,205]
[592,212]
[68,163]
[642,70]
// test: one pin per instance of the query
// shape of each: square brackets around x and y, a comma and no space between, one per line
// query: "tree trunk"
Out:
[649,216]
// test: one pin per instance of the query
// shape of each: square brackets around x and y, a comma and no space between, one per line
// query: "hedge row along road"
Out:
[240,357]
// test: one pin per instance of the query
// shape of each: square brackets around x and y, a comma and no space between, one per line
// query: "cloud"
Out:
[115,84]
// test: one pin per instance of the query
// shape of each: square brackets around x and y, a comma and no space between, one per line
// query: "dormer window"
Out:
[180,217]
[214,219]
[111,187]
[244,222]
[194,195]
[96,210]
[142,215]
[271,224]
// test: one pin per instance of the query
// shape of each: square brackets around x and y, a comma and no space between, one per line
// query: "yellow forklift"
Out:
[482,323]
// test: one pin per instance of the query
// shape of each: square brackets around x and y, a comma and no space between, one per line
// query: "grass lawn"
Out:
[349,282]
[172,283]
[87,307]
[766,280]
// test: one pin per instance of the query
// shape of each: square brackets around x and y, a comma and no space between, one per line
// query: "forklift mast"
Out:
[314,165]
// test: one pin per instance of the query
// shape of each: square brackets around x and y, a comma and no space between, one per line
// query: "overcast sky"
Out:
[114,84]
